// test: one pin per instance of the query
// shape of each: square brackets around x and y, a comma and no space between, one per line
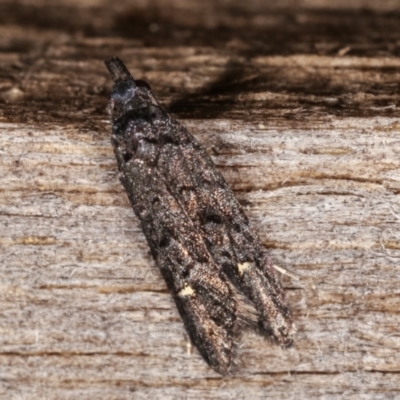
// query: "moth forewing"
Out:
[212,261]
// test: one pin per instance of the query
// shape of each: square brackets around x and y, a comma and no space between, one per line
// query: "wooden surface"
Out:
[299,106]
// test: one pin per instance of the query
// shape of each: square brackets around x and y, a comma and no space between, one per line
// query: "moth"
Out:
[218,272]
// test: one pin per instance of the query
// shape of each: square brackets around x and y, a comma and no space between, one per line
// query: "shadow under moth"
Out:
[218,272]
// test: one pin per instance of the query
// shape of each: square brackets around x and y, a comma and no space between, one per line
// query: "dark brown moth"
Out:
[215,267]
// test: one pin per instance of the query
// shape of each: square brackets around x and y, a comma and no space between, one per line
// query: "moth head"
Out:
[127,93]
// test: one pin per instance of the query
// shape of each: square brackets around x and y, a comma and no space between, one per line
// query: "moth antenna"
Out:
[117,70]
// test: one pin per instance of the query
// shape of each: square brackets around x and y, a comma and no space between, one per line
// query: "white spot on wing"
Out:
[243,266]
[186,291]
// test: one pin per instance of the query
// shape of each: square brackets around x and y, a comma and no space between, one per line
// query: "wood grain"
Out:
[299,106]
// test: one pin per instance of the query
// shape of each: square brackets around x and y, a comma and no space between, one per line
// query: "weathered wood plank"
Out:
[299,108]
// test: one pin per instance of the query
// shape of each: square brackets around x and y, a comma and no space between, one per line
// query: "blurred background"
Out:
[202,57]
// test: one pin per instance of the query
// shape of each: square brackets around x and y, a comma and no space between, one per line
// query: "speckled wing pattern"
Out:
[214,265]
